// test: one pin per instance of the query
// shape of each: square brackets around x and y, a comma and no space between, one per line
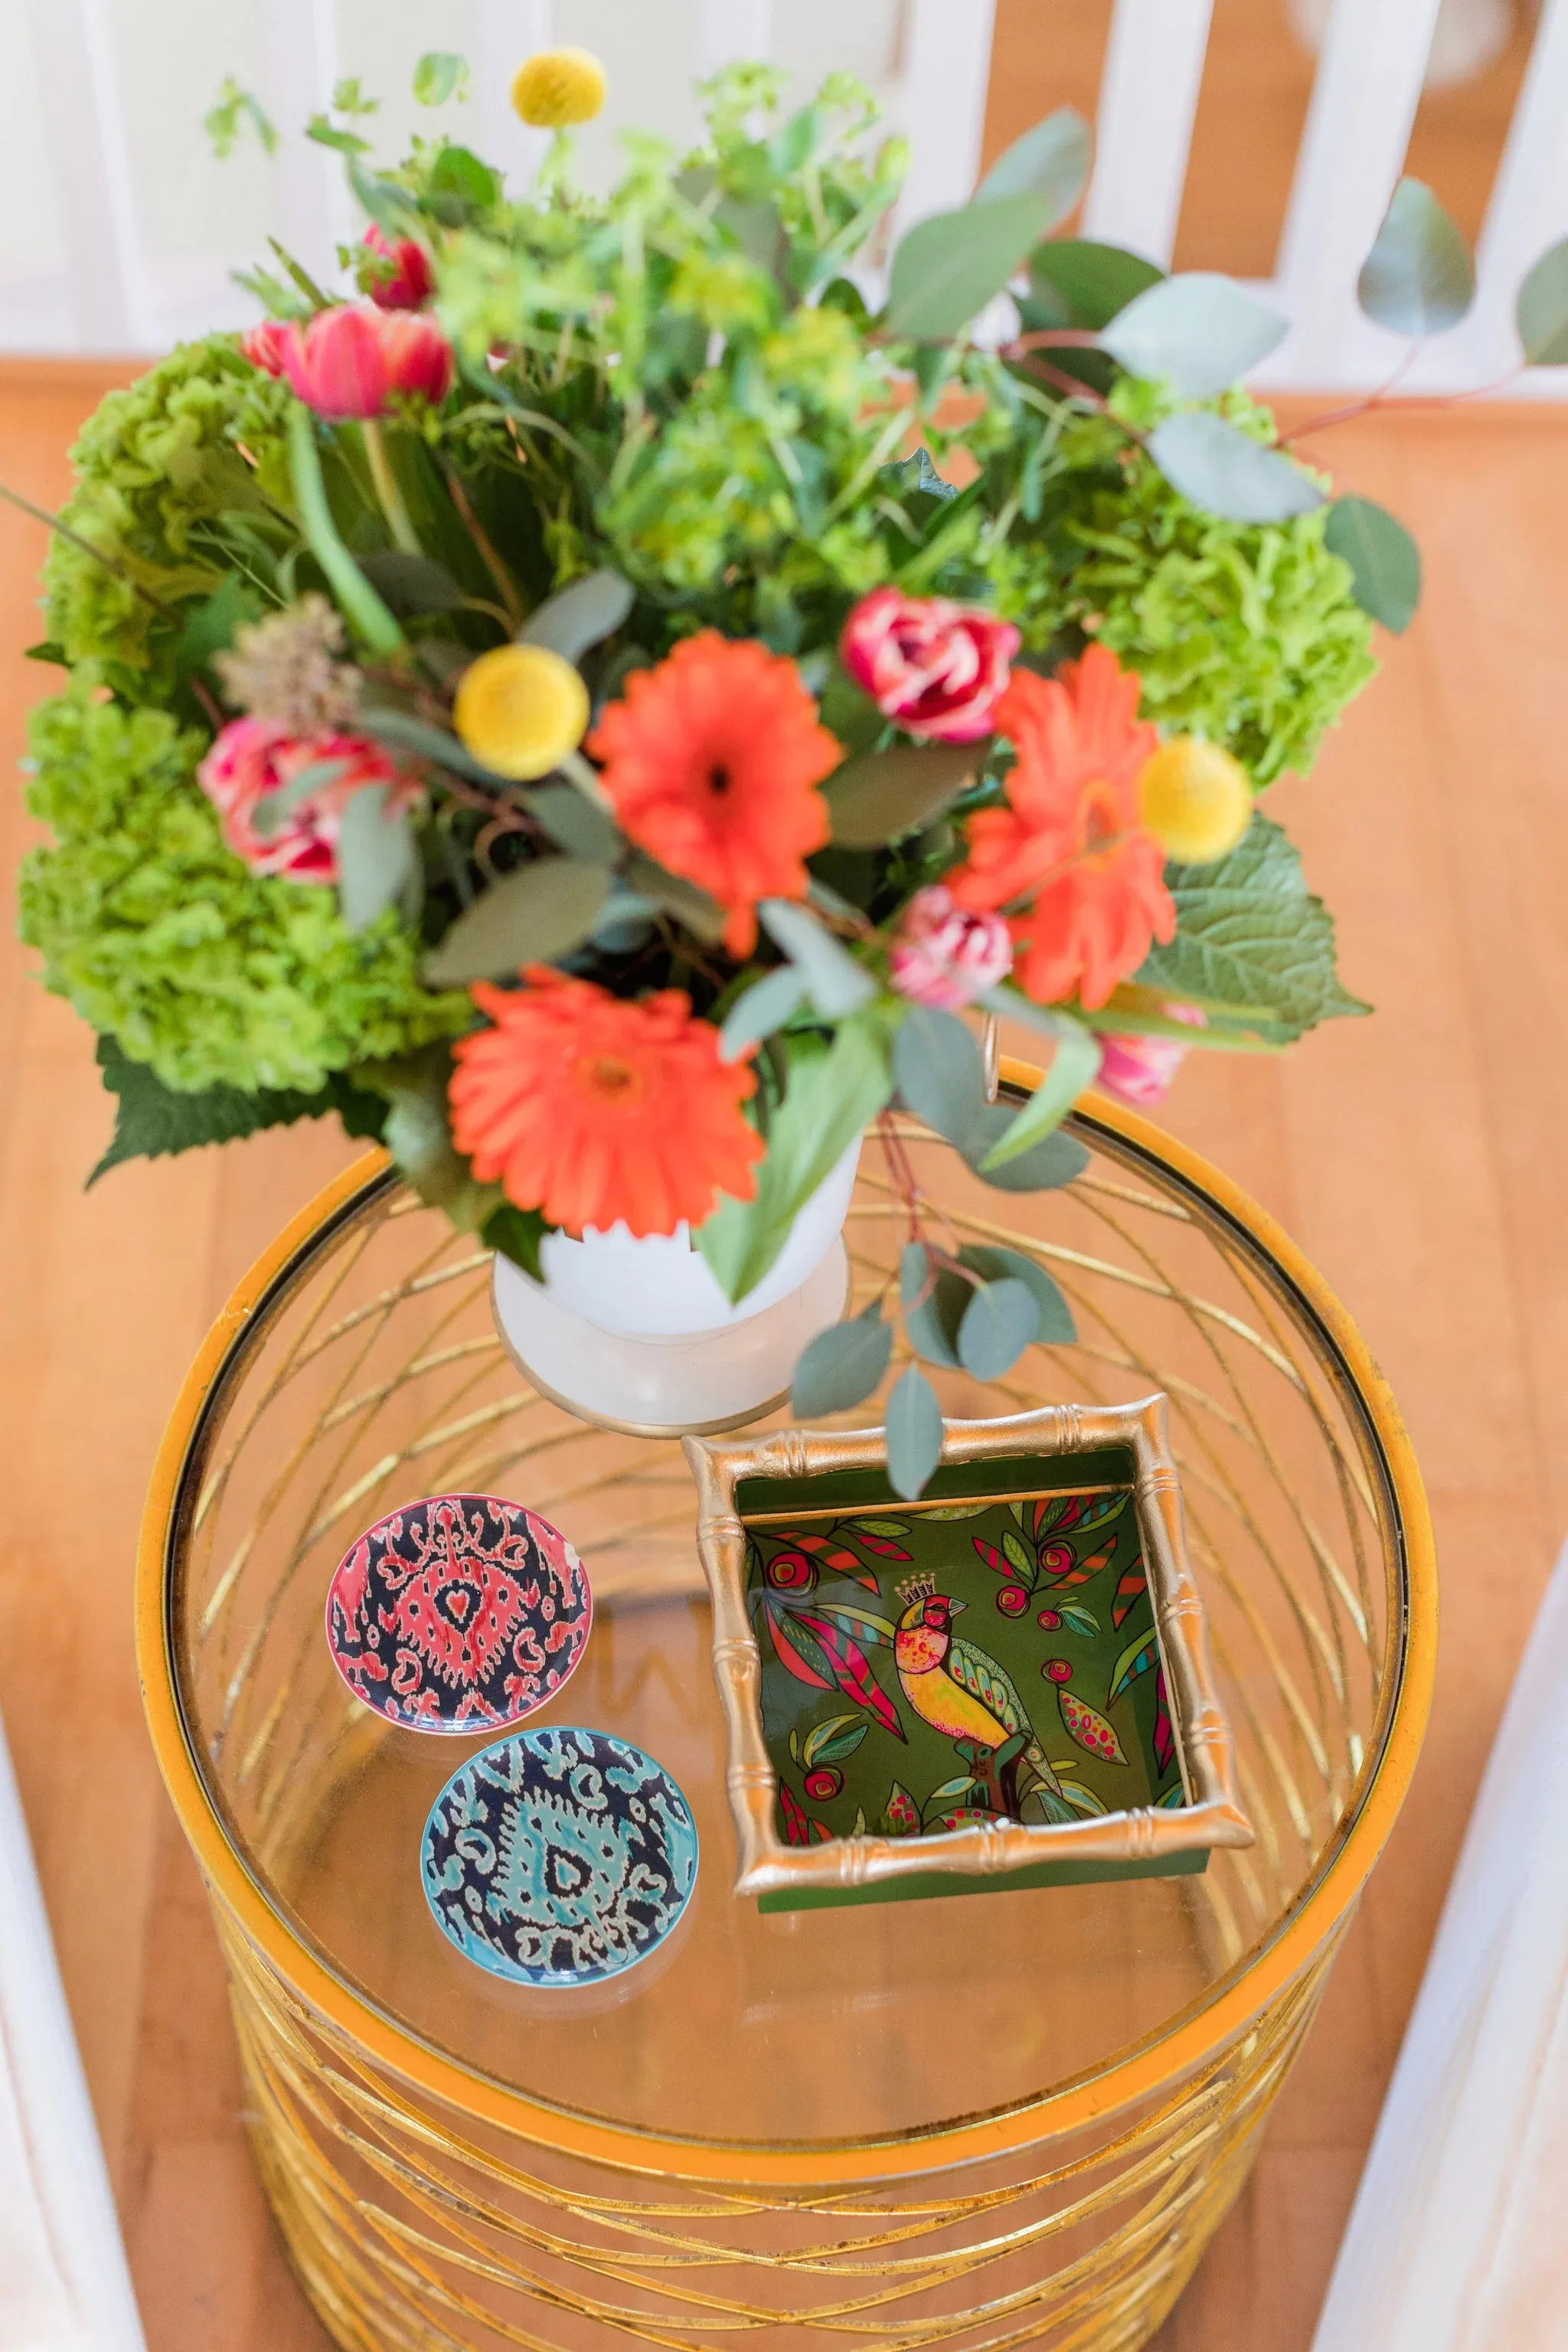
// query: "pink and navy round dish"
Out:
[462,1613]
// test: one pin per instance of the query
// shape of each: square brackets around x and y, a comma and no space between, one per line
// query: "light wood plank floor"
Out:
[1414,1156]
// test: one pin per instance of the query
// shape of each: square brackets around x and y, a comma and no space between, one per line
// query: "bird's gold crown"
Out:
[917,1588]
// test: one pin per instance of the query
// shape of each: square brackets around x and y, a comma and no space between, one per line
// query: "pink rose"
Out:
[407,280]
[348,361]
[1138,1070]
[935,667]
[253,757]
[945,956]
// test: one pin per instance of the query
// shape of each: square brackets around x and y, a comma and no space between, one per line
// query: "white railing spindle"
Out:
[1529,209]
[88,151]
[727,29]
[1148,97]
[942,102]
[313,212]
[509,31]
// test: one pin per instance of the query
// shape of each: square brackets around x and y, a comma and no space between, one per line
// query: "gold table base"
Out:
[454,2175]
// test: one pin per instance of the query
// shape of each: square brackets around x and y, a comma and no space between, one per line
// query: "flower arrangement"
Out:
[597,702]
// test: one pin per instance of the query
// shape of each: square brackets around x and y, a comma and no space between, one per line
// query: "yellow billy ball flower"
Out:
[556,87]
[521,709]
[1196,800]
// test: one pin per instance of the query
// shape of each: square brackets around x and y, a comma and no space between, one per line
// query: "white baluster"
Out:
[509,31]
[1529,209]
[314,213]
[1148,97]
[727,29]
[942,102]
[87,148]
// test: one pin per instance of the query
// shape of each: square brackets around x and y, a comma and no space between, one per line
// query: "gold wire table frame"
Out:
[1014,2118]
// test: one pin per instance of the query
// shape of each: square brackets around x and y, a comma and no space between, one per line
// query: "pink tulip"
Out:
[935,667]
[946,957]
[1138,1070]
[264,345]
[348,362]
[409,281]
[253,757]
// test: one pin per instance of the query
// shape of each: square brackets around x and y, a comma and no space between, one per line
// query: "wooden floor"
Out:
[1417,1157]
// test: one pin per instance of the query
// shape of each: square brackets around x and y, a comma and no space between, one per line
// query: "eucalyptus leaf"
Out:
[1074,1067]
[933,1299]
[579,617]
[999,1322]
[1056,1159]
[273,808]
[533,915]
[940,1074]
[377,855]
[1382,557]
[994,1264]
[761,1009]
[1225,471]
[392,208]
[1084,284]
[882,796]
[1198,332]
[683,899]
[439,75]
[1053,158]
[841,1367]
[574,822]
[914,1433]
[946,269]
[1419,278]
[411,584]
[836,984]
[404,732]
[1541,308]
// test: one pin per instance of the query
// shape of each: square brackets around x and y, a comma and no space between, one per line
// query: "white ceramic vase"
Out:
[638,1335]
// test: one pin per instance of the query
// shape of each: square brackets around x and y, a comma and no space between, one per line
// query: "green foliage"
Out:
[158,466]
[439,75]
[1419,278]
[233,110]
[1385,560]
[159,935]
[152,1121]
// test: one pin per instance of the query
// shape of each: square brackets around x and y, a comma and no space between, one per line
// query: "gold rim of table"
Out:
[1155,2065]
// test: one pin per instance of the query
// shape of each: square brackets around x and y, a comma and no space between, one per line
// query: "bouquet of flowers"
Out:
[594,705]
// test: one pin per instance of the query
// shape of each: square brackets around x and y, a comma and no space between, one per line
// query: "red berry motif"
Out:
[823,1783]
[1059,1669]
[1050,1619]
[790,1571]
[1012,1601]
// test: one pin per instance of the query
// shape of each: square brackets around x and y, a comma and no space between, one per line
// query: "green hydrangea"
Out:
[159,935]
[152,464]
[1249,633]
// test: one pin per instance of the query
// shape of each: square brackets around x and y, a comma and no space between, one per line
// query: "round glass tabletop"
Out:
[372,1374]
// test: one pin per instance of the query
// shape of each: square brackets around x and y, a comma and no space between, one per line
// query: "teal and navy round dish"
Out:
[559,1857]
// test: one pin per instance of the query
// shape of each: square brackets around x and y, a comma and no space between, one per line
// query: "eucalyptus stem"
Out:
[353,591]
[392,505]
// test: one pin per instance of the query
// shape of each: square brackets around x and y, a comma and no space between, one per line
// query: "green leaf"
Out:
[153,1121]
[951,1790]
[574,822]
[534,914]
[933,1299]
[1082,1799]
[1078,1619]
[999,1322]
[1140,1655]
[439,75]
[1419,278]
[914,1433]
[1056,1159]
[1018,1559]
[836,984]
[579,617]
[940,1074]
[516,1233]
[392,208]
[1541,308]
[1075,1065]
[467,184]
[233,108]
[1081,284]
[841,1367]
[992,1264]
[761,1009]
[411,584]
[683,899]
[1052,159]
[270,811]
[1382,557]
[326,134]
[1197,332]
[830,1742]
[882,796]
[1226,472]
[1248,931]
[360,605]
[211,625]
[829,1099]
[378,858]
[404,732]
[947,268]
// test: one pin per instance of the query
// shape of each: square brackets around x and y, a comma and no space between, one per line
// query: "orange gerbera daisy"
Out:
[711,763]
[1071,841]
[598,1111]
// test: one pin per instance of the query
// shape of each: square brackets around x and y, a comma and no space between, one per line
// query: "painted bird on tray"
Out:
[960,1691]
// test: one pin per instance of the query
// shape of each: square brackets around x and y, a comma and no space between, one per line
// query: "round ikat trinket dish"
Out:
[559,1857]
[458,1613]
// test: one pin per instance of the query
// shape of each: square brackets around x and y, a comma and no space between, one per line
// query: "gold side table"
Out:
[1008,2120]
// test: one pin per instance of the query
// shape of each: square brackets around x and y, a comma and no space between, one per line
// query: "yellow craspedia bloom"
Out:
[1196,800]
[521,709]
[556,87]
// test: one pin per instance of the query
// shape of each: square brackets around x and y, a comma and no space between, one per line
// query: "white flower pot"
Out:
[638,1335]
